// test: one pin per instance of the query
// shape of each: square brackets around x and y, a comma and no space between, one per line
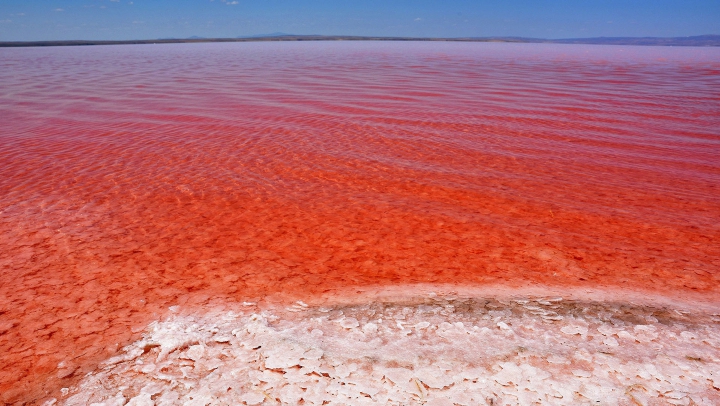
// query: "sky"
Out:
[22,20]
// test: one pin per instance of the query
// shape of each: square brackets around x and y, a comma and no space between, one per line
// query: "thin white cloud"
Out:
[59,9]
[418,19]
[6,21]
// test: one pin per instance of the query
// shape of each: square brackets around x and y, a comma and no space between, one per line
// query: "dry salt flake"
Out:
[349,322]
[503,325]
[581,373]
[398,375]
[195,352]
[252,398]
[422,325]
[610,342]
[572,330]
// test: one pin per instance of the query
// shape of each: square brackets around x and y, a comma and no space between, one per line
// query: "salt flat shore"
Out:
[429,345]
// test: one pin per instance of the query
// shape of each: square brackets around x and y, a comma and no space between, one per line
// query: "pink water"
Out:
[134,178]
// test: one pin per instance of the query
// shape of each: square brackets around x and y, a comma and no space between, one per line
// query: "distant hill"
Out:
[698,41]
[695,41]
[274,34]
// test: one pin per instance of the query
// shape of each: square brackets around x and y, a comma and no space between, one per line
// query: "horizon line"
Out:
[693,40]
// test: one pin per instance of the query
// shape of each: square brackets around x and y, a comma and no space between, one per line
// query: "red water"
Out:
[134,178]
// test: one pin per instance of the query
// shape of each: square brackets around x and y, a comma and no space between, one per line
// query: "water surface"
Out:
[135,178]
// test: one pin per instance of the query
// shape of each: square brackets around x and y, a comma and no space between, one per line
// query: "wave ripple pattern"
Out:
[138,178]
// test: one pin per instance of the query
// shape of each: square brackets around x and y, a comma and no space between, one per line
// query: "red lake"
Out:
[137,178]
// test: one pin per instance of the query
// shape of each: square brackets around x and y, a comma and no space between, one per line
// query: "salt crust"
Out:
[435,350]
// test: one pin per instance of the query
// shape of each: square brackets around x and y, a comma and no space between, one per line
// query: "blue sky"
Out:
[144,19]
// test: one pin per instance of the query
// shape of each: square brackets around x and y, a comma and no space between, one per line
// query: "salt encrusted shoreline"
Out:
[435,349]
[688,301]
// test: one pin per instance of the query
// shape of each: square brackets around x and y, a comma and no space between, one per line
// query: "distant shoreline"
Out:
[701,40]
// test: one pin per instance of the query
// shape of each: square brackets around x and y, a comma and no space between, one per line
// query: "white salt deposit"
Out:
[432,351]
